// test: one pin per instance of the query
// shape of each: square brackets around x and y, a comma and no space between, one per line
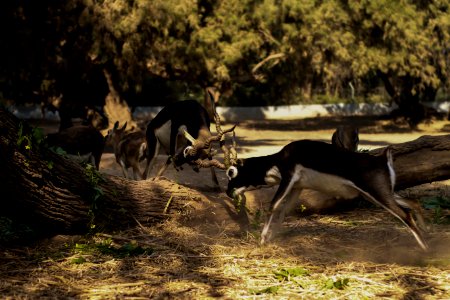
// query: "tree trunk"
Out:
[116,109]
[53,194]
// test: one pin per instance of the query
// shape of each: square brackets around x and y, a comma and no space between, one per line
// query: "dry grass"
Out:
[371,256]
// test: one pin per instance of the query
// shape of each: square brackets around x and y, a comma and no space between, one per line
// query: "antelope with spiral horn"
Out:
[325,168]
[181,130]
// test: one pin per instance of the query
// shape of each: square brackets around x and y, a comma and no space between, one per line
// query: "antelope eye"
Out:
[232,172]
[186,151]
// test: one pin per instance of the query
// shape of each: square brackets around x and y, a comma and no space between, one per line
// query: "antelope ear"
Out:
[116,125]
[124,126]
[240,162]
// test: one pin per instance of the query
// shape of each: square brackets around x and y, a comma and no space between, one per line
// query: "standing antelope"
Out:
[81,142]
[346,136]
[129,149]
[181,129]
[319,166]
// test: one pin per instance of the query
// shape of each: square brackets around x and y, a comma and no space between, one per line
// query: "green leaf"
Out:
[38,135]
[59,151]
[435,202]
[287,274]
[78,260]
[339,284]
[267,290]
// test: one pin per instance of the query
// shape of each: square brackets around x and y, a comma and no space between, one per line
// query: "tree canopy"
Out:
[255,52]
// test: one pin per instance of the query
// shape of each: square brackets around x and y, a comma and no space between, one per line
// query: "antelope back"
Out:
[79,140]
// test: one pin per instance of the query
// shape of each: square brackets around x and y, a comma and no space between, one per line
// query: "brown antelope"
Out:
[323,167]
[181,130]
[346,136]
[129,149]
[81,142]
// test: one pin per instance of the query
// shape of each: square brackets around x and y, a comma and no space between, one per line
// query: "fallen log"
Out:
[52,194]
[424,160]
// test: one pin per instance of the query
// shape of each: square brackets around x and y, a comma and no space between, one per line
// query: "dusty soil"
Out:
[354,254]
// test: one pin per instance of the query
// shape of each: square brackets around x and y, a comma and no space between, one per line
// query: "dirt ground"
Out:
[363,253]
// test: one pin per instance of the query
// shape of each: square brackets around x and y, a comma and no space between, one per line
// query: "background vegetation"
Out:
[257,52]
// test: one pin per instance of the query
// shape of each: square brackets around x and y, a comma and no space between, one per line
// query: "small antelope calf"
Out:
[346,136]
[129,149]
[323,167]
[81,142]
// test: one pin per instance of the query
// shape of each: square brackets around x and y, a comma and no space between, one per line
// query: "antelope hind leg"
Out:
[415,207]
[151,158]
[388,202]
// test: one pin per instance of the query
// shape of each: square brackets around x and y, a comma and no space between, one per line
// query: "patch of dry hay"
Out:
[205,260]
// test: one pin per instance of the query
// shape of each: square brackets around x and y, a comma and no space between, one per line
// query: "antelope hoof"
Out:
[265,238]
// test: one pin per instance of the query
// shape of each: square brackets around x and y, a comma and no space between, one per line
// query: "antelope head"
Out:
[191,153]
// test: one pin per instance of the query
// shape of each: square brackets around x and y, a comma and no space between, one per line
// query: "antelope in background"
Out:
[129,149]
[90,115]
[182,131]
[323,167]
[81,142]
[346,136]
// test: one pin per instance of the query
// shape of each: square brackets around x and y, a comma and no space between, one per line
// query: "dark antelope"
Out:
[129,149]
[325,168]
[181,130]
[82,143]
[346,136]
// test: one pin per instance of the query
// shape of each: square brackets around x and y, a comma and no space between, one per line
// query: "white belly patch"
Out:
[163,135]
[273,176]
[326,183]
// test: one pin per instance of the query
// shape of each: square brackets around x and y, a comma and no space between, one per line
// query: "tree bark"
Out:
[423,160]
[49,192]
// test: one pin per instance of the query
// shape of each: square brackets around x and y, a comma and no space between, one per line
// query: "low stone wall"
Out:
[286,112]
[235,114]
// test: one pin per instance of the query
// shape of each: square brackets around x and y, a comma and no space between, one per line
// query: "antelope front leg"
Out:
[136,173]
[164,167]
[124,169]
[289,204]
[153,146]
[283,196]
[214,176]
